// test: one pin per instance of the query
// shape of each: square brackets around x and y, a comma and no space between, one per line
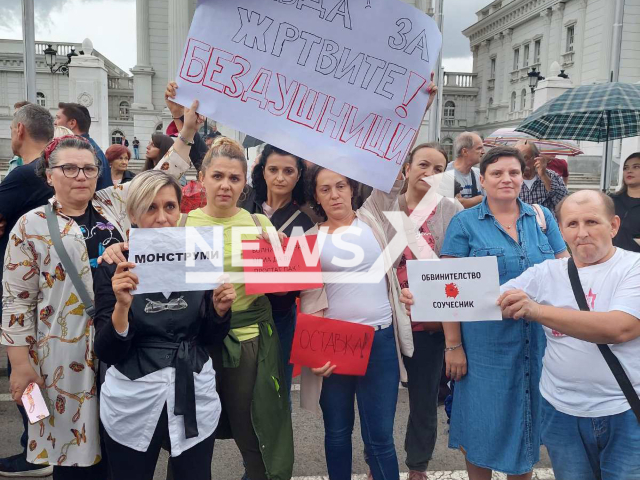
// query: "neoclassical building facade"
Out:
[512,36]
[53,88]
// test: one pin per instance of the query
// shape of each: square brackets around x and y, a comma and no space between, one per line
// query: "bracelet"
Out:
[177,118]
[451,349]
[187,142]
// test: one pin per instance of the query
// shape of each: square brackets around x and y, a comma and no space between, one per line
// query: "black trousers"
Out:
[129,464]
[424,370]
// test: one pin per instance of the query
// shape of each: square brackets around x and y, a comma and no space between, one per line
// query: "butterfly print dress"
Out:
[42,310]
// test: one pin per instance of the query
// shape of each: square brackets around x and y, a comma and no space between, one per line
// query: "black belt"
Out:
[185,392]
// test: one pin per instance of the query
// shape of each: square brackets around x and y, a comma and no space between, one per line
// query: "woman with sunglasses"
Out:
[46,327]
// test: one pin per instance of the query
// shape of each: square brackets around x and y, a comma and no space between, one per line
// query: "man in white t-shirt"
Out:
[468,149]
[588,426]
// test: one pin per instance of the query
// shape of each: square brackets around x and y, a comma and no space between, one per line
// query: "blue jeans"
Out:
[136,153]
[285,321]
[599,448]
[377,395]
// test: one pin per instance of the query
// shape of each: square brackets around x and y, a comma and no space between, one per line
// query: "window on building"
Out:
[525,56]
[159,128]
[447,144]
[516,59]
[490,102]
[571,30]
[523,99]
[493,68]
[513,101]
[449,109]
[41,99]
[116,137]
[124,110]
[537,47]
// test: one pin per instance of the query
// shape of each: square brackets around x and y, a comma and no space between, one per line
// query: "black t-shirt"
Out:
[628,209]
[98,233]
[20,192]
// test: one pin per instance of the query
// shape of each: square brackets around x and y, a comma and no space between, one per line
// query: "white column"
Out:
[545,48]
[142,72]
[558,16]
[88,86]
[142,32]
[507,59]
[179,22]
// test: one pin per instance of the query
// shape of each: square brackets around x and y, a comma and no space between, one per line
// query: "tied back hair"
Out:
[260,185]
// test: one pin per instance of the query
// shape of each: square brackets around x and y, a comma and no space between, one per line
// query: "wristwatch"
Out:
[184,140]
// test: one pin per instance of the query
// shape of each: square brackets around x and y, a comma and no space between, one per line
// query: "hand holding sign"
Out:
[294,265]
[331,346]
[453,289]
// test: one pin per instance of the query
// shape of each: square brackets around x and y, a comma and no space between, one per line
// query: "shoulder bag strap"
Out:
[609,357]
[542,221]
[183,220]
[409,228]
[474,186]
[256,220]
[54,232]
[288,222]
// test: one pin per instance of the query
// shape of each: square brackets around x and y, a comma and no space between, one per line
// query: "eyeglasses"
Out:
[72,171]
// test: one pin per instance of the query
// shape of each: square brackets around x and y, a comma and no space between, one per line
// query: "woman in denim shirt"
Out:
[495,420]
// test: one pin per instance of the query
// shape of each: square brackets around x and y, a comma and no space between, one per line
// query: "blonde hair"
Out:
[60,131]
[144,188]
[225,147]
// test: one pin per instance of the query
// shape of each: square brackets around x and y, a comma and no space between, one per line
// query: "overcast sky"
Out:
[111,26]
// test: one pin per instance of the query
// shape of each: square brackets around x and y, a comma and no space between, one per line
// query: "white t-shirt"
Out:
[576,380]
[346,257]
[466,181]
[529,183]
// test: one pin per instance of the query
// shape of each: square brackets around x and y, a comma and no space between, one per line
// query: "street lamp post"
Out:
[534,78]
[50,55]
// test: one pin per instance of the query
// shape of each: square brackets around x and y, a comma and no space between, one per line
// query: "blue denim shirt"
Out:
[496,406]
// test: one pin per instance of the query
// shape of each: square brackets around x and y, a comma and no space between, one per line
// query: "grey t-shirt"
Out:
[466,181]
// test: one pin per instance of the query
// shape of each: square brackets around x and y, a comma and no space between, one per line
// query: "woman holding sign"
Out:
[496,407]
[47,322]
[250,374]
[368,294]
[153,341]
[278,192]
[251,378]
[431,214]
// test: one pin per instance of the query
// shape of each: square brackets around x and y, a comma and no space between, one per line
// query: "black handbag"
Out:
[614,364]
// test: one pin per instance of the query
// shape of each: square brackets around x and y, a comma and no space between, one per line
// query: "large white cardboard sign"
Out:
[177,259]
[341,83]
[454,290]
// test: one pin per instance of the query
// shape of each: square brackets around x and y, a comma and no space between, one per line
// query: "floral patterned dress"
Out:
[42,310]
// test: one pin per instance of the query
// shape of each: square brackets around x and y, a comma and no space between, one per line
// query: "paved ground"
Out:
[308,433]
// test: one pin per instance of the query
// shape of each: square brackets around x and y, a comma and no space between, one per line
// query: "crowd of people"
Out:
[126,375]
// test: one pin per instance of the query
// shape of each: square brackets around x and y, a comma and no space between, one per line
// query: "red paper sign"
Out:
[296,266]
[319,340]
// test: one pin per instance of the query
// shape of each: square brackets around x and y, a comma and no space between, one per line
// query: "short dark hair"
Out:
[77,112]
[496,153]
[311,182]
[37,121]
[259,184]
